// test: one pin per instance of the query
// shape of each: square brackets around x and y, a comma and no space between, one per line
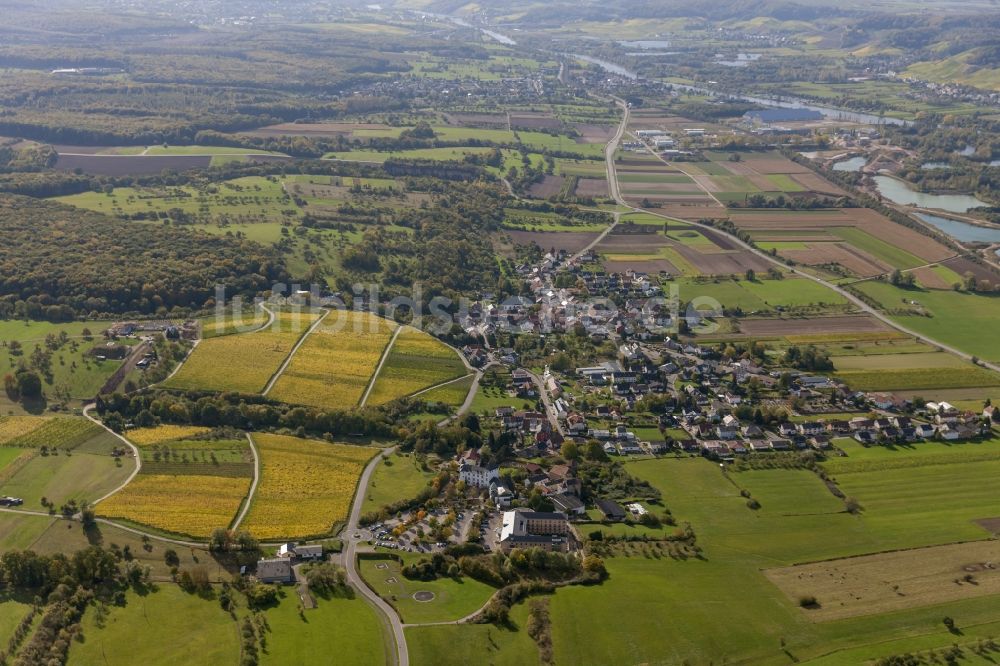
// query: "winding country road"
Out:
[130,445]
[350,561]
[253,484]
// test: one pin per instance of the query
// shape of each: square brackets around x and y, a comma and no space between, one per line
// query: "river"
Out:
[785,103]
[899,192]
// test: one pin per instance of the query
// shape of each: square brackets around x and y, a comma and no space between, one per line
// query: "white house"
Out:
[476,476]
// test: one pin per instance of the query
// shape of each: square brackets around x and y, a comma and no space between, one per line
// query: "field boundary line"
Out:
[381,362]
[245,509]
[440,384]
[133,447]
[288,359]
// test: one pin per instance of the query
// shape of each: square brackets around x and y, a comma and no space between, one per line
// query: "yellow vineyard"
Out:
[417,361]
[12,427]
[192,505]
[163,433]
[334,365]
[245,362]
[306,486]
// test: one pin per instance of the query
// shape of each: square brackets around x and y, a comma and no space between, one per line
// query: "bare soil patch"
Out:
[592,187]
[961,265]
[549,186]
[775,165]
[816,183]
[590,133]
[930,279]
[487,120]
[722,263]
[534,121]
[651,266]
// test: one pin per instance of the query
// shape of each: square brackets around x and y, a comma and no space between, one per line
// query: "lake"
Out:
[851,164]
[962,231]
[899,192]
[646,44]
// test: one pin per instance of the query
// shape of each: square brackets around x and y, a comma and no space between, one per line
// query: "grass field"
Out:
[760,294]
[461,644]
[306,486]
[347,628]
[250,199]
[878,248]
[245,362]
[620,621]
[398,477]
[47,536]
[952,318]
[11,614]
[452,394]
[919,379]
[416,361]
[453,599]
[336,362]
[82,375]
[176,627]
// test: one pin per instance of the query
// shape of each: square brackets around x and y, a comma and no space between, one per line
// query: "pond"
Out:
[967,233]
[899,192]
[851,164]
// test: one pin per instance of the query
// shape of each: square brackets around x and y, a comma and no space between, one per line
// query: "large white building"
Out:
[477,476]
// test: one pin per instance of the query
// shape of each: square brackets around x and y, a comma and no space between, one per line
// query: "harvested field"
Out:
[590,133]
[869,221]
[633,243]
[491,120]
[776,165]
[821,325]
[816,183]
[930,279]
[549,186]
[570,241]
[693,211]
[131,165]
[723,263]
[707,183]
[886,582]
[723,241]
[651,266]
[592,187]
[534,122]
[962,266]
[857,262]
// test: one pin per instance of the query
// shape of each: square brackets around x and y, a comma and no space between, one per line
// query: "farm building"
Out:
[275,570]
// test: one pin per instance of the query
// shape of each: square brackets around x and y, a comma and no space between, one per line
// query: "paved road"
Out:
[388,613]
[381,362]
[550,409]
[861,305]
[609,162]
[253,485]
[291,354]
